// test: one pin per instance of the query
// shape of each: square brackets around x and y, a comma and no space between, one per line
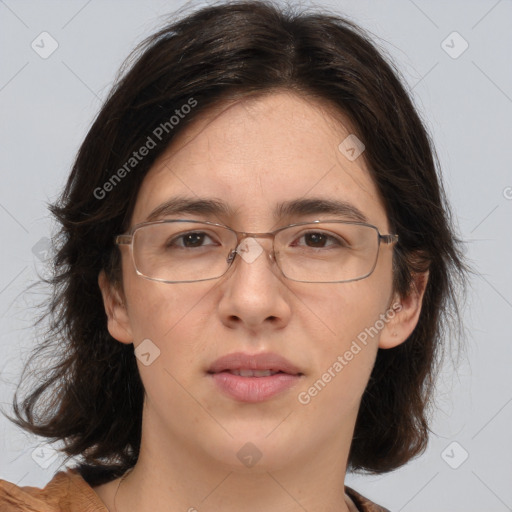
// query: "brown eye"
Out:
[315,239]
[193,239]
[190,240]
[318,240]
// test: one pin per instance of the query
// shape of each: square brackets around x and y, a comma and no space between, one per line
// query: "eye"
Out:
[318,240]
[190,240]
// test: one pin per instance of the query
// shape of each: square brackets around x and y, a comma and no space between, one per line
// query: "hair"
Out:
[91,397]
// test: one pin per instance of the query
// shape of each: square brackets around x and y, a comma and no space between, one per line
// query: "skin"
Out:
[252,154]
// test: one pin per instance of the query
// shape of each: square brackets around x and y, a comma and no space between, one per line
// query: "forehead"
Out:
[259,152]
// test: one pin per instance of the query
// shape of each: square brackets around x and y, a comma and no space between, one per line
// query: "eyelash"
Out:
[328,238]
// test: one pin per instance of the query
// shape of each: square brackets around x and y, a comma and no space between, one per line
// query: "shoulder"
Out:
[363,504]
[66,491]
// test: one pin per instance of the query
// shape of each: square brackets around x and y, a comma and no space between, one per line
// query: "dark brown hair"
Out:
[91,399]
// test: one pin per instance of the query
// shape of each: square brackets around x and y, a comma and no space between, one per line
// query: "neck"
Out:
[176,476]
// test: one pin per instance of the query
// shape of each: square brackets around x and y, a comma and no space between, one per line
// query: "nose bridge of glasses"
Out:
[249,248]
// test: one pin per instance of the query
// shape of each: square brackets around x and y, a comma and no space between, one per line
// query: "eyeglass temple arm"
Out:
[388,239]
[123,239]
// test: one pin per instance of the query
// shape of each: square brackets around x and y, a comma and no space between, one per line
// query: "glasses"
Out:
[322,251]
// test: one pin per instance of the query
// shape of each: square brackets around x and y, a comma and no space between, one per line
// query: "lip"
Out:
[254,389]
[264,361]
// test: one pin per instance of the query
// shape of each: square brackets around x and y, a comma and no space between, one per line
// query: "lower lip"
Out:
[254,389]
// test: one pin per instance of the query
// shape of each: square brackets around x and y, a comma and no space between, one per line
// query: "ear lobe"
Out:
[404,313]
[115,309]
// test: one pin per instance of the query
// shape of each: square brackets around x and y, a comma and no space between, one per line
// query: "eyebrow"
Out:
[294,208]
[303,207]
[179,205]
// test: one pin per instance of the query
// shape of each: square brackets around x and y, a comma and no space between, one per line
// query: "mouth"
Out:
[253,378]
[254,365]
[244,372]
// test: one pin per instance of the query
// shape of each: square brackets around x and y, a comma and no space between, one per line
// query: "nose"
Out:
[254,294]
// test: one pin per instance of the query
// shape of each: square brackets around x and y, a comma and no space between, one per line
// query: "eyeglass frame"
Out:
[127,239]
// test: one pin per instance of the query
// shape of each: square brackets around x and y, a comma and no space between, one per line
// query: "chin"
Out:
[256,448]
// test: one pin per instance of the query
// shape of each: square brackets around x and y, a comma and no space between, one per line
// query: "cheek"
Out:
[172,317]
[346,311]
[344,351]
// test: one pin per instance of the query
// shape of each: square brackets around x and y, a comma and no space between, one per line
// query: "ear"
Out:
[403,314]
[115,308]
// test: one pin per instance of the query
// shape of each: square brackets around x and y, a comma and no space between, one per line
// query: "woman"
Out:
[253,272]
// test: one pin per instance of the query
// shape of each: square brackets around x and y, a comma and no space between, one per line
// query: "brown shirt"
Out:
[69,492]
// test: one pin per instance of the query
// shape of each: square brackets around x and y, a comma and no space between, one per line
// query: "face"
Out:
[254,155]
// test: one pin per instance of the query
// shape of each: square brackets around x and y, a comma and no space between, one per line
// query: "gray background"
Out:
[48,104]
